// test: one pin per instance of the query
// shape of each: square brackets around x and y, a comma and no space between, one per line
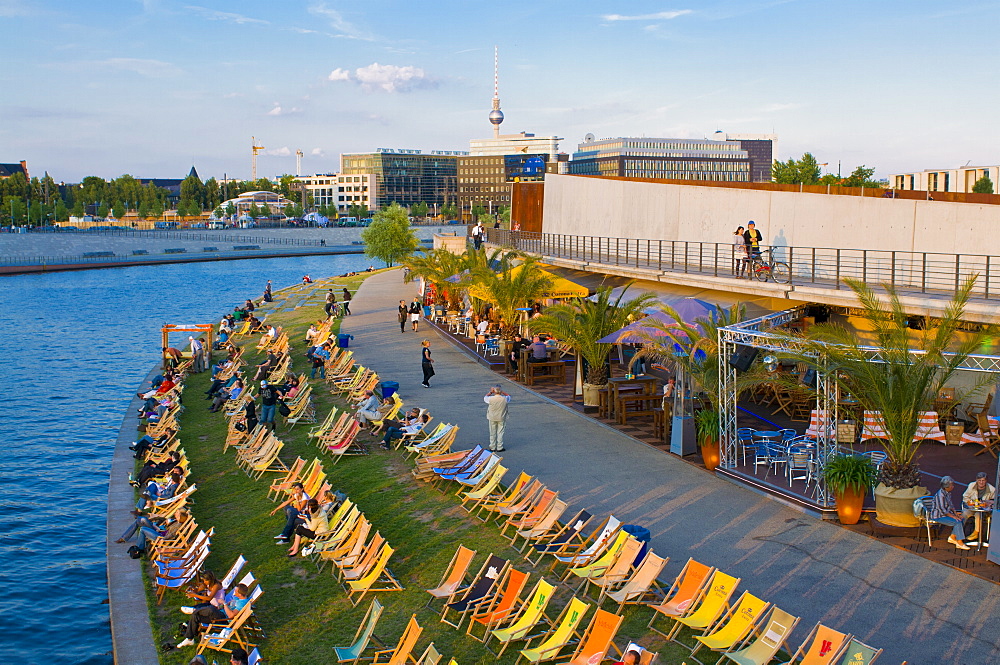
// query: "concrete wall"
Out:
[613,208]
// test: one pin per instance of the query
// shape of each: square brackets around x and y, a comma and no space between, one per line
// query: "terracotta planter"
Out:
[895,507]
[710,455]
[849,504]
[591,394]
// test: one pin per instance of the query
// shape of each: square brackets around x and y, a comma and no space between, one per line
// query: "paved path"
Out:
[916,610]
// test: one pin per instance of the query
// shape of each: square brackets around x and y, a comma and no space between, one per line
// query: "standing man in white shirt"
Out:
[496,414]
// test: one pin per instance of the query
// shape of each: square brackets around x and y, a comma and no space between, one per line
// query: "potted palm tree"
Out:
[898,379]
[509,290]
[708,430]
[849,477]
[583,321]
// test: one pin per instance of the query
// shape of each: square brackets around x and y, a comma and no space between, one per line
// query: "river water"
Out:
[78,345]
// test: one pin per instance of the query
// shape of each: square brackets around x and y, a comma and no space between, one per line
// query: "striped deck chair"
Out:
[525,617]
[928,429]
[987,434]
[560,636]
[363,637]
[818,419]
[874,427]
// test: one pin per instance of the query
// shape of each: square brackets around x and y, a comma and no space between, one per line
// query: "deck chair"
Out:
[727,631]
[430,656]
[561,635]
[545,525]
[358,566]
[378,578]
[455,575]
[615,563]
[708,605]
[350,548]
[822,646]
[521,504]
[472,476]
[567,535]
[764,642]
[237,566]
[818,420]
[590,548]
[636,588]
[293,476]
[859,653]
[427,469]
[434,442]
[874,427]
[403,651]
[524,618]
[500,497]
[479,592]
[226,635]
[486,486]
[597,639]
[534,513]
[501,607]
[928,429]
[646,657]
[364,635]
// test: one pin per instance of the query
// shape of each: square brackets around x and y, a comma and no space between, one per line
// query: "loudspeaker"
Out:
[743,357]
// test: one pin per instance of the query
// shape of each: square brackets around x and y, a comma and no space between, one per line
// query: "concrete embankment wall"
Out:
[616,208]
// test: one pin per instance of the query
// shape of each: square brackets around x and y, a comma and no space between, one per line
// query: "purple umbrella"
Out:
[688,309]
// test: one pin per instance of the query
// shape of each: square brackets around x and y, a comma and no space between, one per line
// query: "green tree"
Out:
[158,208]
[143,210]
[118,211]
[61,212]
[265,211]
[390,238]
[253,212]
[359,211]
[861,177]
[230,209]
[510,290]
[212,195]
[479,212]
[192,189]
[504,212]
[437,266]
[218,212]
[983,186]
[103,210]
[805,171]
[182,208]
[419,209]
[15,207]
[78,209]
[290,210]
[449,211]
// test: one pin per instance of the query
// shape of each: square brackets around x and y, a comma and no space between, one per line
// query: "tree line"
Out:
[807,171]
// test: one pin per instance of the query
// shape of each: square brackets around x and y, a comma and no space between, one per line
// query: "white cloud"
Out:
[140,66]
[283,151]
[658,16]
[343,27]
[229,17]
[317,152]
[280,110]
[389,78]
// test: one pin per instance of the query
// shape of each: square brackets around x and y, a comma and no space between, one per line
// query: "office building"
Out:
[672,159]
[407,176]
[945,180]
[340,190]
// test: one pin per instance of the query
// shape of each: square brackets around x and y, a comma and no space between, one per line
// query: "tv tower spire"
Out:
[496,115]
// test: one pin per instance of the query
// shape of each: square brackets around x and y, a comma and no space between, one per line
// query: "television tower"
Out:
[496,115]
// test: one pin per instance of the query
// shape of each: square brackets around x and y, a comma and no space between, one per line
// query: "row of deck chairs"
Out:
[360,563]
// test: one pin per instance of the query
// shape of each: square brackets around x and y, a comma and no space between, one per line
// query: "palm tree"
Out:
[510,290]
[583,321]
[894,379]
[436,266]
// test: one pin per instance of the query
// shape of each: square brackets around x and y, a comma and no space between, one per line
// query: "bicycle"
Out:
[779,271]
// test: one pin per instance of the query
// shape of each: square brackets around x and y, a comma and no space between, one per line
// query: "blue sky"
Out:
[150,87]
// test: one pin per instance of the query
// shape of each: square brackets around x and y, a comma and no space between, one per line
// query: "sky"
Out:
[152,87]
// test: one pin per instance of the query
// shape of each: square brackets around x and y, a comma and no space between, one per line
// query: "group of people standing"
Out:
[332,308]
[746,248]
[409,312]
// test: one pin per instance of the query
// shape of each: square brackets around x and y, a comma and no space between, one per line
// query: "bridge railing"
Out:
[923,272]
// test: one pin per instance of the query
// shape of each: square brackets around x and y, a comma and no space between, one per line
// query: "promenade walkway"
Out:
[915,609]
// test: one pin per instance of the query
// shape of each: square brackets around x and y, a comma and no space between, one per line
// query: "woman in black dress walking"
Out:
[426,363]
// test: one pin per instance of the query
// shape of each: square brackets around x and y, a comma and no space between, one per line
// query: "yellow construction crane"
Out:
[254,148]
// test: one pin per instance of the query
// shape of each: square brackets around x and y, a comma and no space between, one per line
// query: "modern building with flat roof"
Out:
[341,190]
[960,179]
[407,176]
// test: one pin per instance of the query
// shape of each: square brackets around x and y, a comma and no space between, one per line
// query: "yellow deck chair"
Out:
[455,576]
[732,626]
[620,568]
[685,590]
[769,636]
[637,587]
[529,615]
[560,636]
[597,640]
[292,476]
[379,578]
[485,487]
[596,567]
[402,653]
[501,498]
[709,605]
[351,548]
[430,656]
[822,646]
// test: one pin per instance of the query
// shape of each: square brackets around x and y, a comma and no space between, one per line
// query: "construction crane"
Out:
[254,148]
[298,162]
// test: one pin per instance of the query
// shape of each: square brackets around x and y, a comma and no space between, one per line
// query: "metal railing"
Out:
[827,267]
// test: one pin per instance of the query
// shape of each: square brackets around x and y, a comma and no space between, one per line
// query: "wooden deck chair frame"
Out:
[358,566]
[520,504]
[485,584]
[350,548]
[640,587]
[402,652]
[229,631]
[530,613]
[821,637]
[430,656]
[293,476]
[529,518]
[597,639]
[597,567]
[568,534]
[848,648]
[484,487]
[502,606]
[455,577]
[562,633]
[497,493]
[621,568]
[362,637]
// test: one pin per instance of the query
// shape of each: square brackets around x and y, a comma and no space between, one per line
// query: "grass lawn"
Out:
[305,613]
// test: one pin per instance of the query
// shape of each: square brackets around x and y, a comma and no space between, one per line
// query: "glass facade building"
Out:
[407,176]
[673,159]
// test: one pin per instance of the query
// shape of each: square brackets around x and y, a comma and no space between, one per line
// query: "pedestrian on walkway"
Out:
[477,235]
[269,404]
[331,303]
[426,363]
[496,415]
[197,355]
[415,314]
[347,302]
[401,316]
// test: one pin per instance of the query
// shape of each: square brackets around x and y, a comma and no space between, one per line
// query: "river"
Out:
[79,344]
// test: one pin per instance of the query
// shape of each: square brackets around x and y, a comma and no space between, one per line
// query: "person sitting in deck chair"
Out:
[226,394]
[408,418]
[165,385]
[154,469]
[368,409]
[398,432]
[158,491]
[147,442]
[210,613]
[315,522]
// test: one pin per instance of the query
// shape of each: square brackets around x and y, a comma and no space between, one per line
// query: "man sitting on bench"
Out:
[539,352]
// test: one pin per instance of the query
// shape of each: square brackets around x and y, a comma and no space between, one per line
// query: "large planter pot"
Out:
[849,504]
[591,394]
[710,455]
[895,507]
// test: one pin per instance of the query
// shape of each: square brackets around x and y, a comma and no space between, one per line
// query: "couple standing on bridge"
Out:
[746,248]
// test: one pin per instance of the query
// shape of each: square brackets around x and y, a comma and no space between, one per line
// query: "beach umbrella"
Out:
[688,309]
